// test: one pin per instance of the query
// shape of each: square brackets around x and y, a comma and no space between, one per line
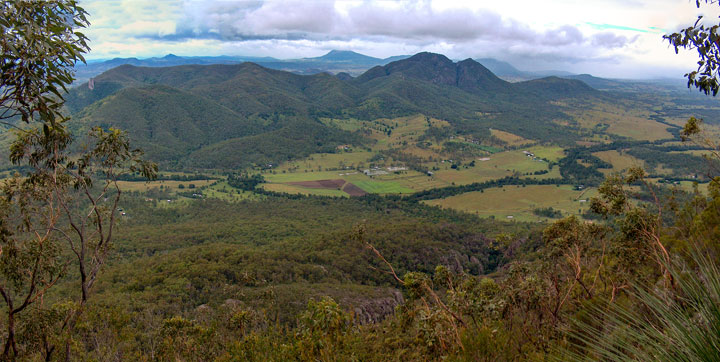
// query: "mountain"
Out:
[554,87]
[334,61]
[345,56]
[236,115]
[500,68]
[600,83]
[467,75]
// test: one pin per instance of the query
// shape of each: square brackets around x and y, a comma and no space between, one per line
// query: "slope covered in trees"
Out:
[247,100]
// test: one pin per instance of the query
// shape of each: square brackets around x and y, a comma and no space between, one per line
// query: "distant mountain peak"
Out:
[171,56]
[468,74]
[430,58]
[347,56]
[342,52]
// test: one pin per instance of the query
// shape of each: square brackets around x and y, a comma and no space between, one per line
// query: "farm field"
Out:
[517,202]
[294,189]
[169,185]
[222,190]
[550,153]
[492,167]
[510,138]
[620,121]
[302,176]
[498,166]
[383,187]
[621,161]
[322,161]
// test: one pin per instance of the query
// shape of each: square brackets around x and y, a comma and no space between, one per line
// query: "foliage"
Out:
[61,213]
[548,212]
[704,39]
[669,325]
[245,181]
[40,45]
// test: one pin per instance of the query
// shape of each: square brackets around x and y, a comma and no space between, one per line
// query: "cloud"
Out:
[537,34]
[609,40]
[412,21]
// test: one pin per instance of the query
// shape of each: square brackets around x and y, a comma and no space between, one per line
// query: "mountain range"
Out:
[335,61]
[236,115]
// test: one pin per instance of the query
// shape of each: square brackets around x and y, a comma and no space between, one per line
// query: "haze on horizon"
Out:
[609,38]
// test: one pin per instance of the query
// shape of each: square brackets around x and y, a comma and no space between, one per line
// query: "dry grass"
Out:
[509,138]
[621,161]
[519,202]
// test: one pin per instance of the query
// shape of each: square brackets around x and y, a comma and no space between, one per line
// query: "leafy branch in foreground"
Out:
[40,45]
[706,40]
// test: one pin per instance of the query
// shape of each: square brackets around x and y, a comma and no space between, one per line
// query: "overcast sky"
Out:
[611,38]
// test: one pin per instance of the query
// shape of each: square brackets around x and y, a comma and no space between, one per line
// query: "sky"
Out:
[609,38]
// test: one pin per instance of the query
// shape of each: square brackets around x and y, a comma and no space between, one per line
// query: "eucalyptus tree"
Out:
[61,212]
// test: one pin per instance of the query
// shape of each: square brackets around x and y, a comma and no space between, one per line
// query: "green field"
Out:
[509,138]
[383,187]
[323,161]
[292,189]
[518,202]
[172,186]
[301,176]
[621,161]
[550,153]
[221,190]
[621,120]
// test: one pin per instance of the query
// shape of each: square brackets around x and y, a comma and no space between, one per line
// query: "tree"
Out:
[61,212]
[39,48]
[706,40]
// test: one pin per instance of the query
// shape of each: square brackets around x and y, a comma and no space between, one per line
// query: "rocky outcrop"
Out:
[376,309]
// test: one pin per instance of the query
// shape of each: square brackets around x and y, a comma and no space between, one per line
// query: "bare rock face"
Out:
[458,262]
[376,309]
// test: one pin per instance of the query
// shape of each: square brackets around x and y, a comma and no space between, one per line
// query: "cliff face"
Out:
[376,309]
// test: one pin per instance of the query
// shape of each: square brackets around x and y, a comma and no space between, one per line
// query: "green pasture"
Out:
[294,189]
[383,187]
[550,153]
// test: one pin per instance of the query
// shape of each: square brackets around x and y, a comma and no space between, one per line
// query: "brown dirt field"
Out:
[320,184]
[353,190]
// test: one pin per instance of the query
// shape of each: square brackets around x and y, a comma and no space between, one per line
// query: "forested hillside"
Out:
[237,101]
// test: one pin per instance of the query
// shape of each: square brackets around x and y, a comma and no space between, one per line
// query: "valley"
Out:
[276,190]
[294,130]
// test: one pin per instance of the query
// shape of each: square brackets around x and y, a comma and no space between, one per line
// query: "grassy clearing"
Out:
[419,181]
[620,160]
[221,190]
[293,189]
[550,153]
[383,187]
[700,153]
[302,176]
[687,186]
[405,130]
[509,138]
[554,173]
[172,186]
[322,161]
[519,202]
[619,120]
[498,166]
